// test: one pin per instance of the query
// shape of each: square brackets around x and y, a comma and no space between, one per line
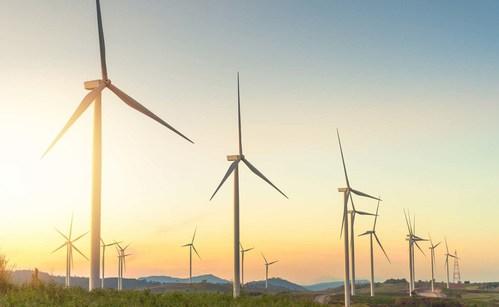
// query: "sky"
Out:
[411,86]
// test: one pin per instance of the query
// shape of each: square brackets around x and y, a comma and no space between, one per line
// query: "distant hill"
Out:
[331,285]
[207,278]
[275,285]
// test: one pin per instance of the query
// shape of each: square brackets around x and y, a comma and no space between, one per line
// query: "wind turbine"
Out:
[191,247]
[352,213]
[267,264]
[372,233]
[413,240]
[121,263]
[96,87]
[347,193]
[234,167]
[432,250]
[104,245]
[69,244]
[243,251]
[447,255]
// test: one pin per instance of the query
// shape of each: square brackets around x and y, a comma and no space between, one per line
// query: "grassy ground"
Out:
[49,295]
[52,295]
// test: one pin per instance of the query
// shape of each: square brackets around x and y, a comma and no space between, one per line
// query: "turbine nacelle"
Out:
[93,84]
[235,157]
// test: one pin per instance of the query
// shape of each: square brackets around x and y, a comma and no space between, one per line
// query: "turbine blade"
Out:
[343,159]
[365,233]
[379,243]
[259,174]
[376,216]
[62,245]
[227,174]
[421,250]
[446,246]
[137,106]
[101,42]
[87,100]
[185,245]
[79,251]
[239,117]
[364,194]
[194,235]
[74,240]
[71,227]
[63,235]
[343,221]
[364,213]
[265,259]
[195,250]
[252,248]
[273,262]
[408,223]
[437,244]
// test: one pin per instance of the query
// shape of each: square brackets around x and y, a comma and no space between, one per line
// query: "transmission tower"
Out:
[457,273]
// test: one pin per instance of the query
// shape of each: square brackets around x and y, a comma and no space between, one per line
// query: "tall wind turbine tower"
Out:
[96,87]
[447,255]
[191,248]
[432,259]
[352,214]
[234,168]
[372,233]
[104,245]
[456,278]
[69,244]
[121,263]
[347,194]
[413,240]
[267,264]
[243,252]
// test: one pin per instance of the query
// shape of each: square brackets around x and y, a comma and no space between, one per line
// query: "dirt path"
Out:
[321,299]
[428,293]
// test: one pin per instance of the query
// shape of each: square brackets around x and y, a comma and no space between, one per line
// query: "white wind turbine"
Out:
[234,168]
[447,255]
[121,263]
[69,244]
[372,233]
[347,194]
[191,248]
[96,87]
[432,256]
[243,252]
[104,245]
[413,240]
[353,213]
[267,264]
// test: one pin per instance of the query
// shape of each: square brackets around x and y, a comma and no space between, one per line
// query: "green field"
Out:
[52,295]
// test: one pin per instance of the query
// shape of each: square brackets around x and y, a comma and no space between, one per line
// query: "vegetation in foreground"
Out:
[53,295]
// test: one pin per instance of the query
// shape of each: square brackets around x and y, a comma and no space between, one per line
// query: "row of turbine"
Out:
[349,246]
[69,244]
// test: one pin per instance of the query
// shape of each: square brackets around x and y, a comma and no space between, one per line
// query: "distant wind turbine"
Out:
[267,264]
[447,255]
[104,245]
[372,233]
[191,248]
[243,251]
[347,193]
[413,240]
[353,213]
[432,259]
[69,244]
[121,263]
[96,87]
[234,167]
